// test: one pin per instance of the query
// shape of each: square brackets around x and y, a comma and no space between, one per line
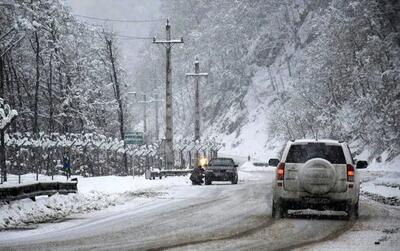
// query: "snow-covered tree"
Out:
[332,67]
[7,115]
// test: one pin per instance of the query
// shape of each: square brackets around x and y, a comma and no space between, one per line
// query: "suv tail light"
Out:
[280,171]
[350,173]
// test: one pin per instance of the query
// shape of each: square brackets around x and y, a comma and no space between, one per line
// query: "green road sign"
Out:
[134,138]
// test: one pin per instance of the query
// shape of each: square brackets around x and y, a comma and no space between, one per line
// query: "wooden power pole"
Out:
[145,115]
[144,102]
[197,75]
[156,101]
[169,123]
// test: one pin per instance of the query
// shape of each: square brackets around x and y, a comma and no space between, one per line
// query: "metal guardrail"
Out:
[153,174]
[36,189]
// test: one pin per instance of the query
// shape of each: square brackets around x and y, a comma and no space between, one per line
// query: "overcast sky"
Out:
[122,9]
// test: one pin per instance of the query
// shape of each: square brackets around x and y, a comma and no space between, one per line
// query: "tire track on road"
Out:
[334,235]
[236,235]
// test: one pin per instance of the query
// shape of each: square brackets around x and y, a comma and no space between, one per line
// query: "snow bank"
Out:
[250,167]
[119,185]
[26,213]
[383,187]
[381,180]
[383,165]
[248,171]
[94,193]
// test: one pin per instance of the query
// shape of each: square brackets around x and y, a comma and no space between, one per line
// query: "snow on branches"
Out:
[6,115]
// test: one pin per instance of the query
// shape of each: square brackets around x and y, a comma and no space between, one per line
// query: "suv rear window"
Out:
[221,162]
[303,153]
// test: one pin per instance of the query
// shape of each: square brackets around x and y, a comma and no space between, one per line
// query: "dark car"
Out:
[221,169]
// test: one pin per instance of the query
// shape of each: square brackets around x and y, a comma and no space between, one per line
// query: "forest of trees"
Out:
[333,67]
[345,84]
[61,75]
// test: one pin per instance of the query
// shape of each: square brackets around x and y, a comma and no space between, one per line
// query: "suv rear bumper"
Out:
[315,203]
[304,200]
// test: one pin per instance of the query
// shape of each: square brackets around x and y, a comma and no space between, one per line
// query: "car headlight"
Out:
[203,161]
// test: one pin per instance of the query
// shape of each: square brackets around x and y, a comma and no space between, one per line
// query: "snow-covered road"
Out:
[217,217]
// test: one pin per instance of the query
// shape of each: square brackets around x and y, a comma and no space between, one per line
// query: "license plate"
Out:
[316,200]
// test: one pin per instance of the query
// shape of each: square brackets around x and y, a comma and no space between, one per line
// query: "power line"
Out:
[132,37]
[120,20]
[95,28]
[127,37]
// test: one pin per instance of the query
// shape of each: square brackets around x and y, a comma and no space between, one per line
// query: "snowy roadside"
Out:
[248,171]
[381,182]
[94,193]
[383,187]
[25,214]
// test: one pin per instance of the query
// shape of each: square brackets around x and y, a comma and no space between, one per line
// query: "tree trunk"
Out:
[3,157]
[50,92]
[36,99]
[2,142]
[66,108]
[119,100]
[1,77]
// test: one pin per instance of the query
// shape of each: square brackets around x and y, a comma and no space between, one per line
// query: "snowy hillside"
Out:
[253,137]
[299,69]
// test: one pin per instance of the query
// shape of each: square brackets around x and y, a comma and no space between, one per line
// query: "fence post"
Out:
[182,158]
[147,162]
[107,157]
[35,162]
[133,166]
[98,158]
[190,159]
[138,163]
[19,165]
[52,167]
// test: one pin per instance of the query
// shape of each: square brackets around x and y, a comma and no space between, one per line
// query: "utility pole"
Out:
[197,75]
[145,116]
[156,101]
[144,102]
[157,132]
[169,123]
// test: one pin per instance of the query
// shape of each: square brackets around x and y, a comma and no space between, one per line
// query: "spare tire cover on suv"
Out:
[317,176]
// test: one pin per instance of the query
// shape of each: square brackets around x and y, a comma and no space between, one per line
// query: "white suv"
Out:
[316,174]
